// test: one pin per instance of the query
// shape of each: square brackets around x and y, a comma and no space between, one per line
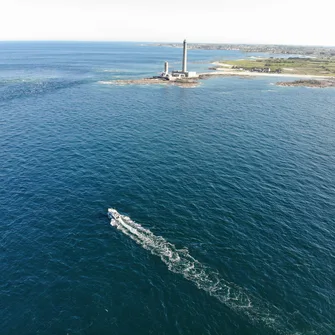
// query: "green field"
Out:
[292,65]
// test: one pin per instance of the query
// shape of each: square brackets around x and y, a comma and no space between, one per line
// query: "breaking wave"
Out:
[180,261]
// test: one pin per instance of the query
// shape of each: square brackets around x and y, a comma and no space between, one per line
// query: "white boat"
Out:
[113,214]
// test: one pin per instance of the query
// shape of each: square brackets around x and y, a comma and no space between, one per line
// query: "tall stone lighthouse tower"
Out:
[185,57]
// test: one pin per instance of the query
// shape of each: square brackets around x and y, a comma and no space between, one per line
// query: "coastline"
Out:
[225,69]
[305,80]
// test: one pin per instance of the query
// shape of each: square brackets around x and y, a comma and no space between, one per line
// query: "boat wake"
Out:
[181,262]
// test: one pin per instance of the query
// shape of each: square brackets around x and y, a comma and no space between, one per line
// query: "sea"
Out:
[226,195]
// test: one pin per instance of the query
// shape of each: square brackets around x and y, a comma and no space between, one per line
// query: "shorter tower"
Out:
[166,67]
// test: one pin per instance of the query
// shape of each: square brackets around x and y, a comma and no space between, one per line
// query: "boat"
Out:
[113,214]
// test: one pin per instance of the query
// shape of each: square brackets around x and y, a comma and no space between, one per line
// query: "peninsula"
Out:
[322,67]
[314,71]
[321,70]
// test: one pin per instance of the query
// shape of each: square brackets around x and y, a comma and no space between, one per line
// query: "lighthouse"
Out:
[179,74]
[184,69]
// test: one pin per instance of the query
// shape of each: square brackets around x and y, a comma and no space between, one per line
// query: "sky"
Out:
[300,22]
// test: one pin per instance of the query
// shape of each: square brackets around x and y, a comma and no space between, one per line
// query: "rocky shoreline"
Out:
[309,83]
[184,82]
[194,82]
[152,81]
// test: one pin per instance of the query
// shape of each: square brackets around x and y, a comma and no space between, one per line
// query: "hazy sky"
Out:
[243,21]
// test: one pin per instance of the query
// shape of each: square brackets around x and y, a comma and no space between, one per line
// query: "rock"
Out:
[309,83]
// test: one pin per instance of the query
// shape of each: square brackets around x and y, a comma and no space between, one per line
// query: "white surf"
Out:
[180,261]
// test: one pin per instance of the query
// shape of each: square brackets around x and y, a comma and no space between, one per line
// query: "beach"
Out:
[226,69]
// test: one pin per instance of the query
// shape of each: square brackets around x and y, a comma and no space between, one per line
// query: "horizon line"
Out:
[165,42]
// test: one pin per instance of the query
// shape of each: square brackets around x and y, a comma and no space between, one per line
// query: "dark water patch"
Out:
[27,88]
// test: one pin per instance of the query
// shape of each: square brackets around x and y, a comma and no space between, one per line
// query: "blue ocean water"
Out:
[226,191]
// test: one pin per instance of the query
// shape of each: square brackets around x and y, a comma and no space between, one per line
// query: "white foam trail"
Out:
[180,261]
